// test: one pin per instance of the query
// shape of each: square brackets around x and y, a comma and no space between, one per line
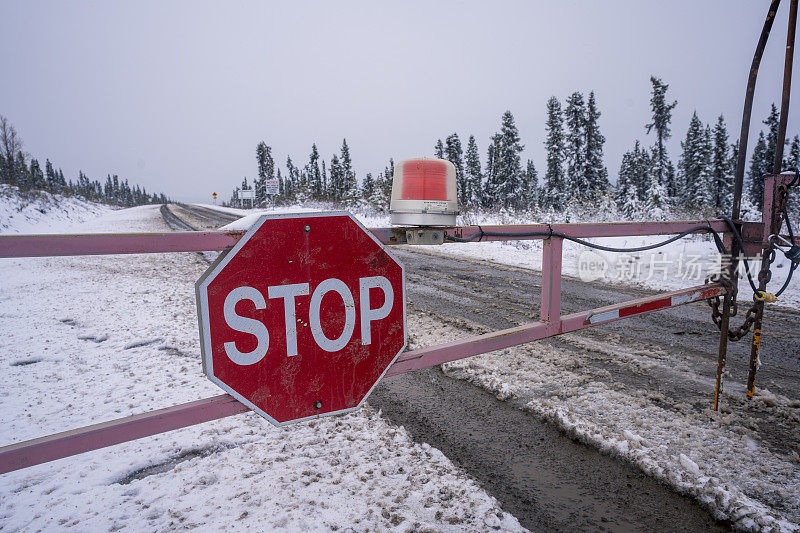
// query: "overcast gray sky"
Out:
[175,95]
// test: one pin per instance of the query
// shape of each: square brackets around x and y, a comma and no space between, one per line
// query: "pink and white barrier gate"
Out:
[60,445]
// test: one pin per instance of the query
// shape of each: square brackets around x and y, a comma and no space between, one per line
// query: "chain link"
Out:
[764,277]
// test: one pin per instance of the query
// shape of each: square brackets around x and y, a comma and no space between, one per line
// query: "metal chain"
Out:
[764,275]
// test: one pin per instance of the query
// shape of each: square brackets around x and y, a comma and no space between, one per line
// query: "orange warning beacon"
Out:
[424,193]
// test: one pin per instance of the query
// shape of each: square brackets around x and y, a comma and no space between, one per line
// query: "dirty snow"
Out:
[43,212]
[97,338]
[717,457]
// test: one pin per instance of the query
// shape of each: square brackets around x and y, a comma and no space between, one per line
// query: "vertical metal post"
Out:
[777,165]
[772,221]
[772,200]
[723,344]
[551,279]
[741,161]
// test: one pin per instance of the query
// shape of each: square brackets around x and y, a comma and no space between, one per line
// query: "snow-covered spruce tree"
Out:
[266,170]
[378,199]
[281,185]
[325,193]
[606,205]
[336,180]
[62,183]
[438,150]
[626,192]
[758,168]
[530,187]
[472,175]
[732,161]
[303,193]
[292,180]
[53,184]
[116,192]
[596,172]
[554,181]
[108,187]
[671,177]
[508,173]
[722,178]
[21,175]
[656,203]
[792,158]
[792,161]
[641,170]
[454,153]
[771,122]
[124,192]
[350,192]
[314,174]
[84,188]
[574,150]
[260,179]
[693,164]
[662,115]
[705,186]
[368,187]
[37,179]
[388,179]
[491,192]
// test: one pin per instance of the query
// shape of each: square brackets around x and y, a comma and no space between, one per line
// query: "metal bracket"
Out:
[425,236]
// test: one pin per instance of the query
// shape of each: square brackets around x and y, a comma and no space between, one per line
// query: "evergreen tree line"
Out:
[16,170]
[575,174]
[703,178]
[317,180]
[504,184]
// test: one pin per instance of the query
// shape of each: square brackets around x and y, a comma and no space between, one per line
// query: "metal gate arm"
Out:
[85,439]
[52,447]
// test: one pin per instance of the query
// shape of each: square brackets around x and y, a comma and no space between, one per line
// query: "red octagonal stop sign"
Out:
[303,316]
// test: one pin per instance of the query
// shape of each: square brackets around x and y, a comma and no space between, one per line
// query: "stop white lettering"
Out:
[289,294]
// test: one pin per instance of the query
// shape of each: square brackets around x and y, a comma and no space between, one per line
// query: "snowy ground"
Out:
[96,338]
[43,212]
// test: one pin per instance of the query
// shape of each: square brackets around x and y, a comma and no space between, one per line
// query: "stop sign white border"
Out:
[201,292]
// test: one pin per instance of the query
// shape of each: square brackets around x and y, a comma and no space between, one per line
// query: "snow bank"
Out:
[89,339]
[717,457]
[43,212]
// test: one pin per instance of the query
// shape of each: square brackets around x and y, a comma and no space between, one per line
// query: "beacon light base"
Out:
[424,193]
[425,236]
